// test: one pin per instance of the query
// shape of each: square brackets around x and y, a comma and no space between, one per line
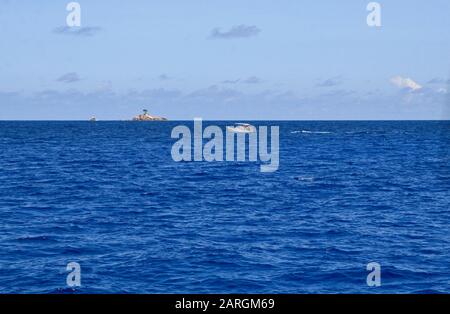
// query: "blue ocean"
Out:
[109,196]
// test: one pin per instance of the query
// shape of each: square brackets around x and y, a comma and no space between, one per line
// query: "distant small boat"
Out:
[242,128]
[92,119]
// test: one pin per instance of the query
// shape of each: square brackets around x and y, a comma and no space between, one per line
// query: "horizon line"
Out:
[174,120]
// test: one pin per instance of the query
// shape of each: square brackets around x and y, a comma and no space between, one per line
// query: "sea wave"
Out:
[110,197]
[311,132]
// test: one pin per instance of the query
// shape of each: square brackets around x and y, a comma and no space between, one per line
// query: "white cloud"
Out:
[405,82]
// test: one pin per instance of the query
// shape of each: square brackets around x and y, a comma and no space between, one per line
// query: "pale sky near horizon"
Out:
[234,59]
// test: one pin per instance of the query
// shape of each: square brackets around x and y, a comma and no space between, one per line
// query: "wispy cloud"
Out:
[164,77]
[249,80]
[238,31]
[405,82]
[87,31]
[439,80]
[332,81]
[230,81]
[252,80]
[214,94]
[215,102]
[70,77]
[104,87]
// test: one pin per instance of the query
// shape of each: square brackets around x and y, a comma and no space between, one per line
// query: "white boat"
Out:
[242,128]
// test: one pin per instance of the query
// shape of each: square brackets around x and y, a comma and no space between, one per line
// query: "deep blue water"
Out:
[109,196]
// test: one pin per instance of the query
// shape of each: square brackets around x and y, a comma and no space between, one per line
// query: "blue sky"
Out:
[234,59]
